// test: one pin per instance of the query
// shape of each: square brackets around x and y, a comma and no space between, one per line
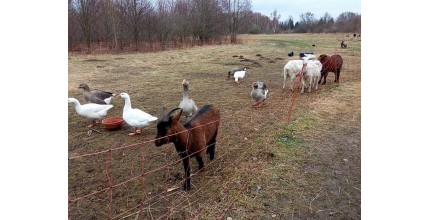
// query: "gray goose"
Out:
[259,93]
[187,104]
[96,96]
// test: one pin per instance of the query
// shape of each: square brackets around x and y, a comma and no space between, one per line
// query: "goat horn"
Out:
[171,111]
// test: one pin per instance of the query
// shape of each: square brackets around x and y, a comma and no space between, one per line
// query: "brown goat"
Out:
[331,63]
[191,138]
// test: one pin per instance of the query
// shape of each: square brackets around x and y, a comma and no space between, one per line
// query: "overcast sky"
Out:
[297,7]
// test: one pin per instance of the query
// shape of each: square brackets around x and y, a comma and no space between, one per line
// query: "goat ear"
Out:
[175,119]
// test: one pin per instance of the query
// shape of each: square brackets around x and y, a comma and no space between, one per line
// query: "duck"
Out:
[187,104]
[259,93]
[91,110]
[230,73]
[134,117]
[239,75]
[96,96]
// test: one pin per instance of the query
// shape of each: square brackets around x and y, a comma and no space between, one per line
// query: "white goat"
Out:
[294,67]
[291,69]
[312,71]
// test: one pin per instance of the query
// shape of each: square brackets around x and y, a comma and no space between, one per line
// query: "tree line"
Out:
[152,25]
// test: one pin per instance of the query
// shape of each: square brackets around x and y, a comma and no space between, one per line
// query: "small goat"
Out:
[294,67]
[311,71]
[191,138]
[291,69]
[331,63]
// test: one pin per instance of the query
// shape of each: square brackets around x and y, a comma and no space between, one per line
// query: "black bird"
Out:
[290,54]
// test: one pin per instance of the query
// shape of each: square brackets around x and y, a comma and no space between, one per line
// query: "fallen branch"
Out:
[92,129]
[310,204]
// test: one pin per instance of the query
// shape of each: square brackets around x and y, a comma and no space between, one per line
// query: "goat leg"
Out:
[337,76]
[200,161]
[325,78]
[187,169]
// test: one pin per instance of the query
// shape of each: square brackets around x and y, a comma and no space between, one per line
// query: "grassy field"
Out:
[264,168]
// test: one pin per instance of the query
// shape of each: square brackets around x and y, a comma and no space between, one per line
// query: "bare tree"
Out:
[164,21]
[274,21]
[345,22]
[307,22]
[205,19]
[182,16]
[356,23]
[111,21]
[86,10]
[120,23]
[133,10]
[73,26]
[235,10]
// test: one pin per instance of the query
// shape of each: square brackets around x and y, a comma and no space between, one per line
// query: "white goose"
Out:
[135,117]
[90,110]
[239,75]
[187,104]
[231,73]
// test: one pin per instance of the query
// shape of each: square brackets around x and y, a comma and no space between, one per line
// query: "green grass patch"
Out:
[291,135]
[290,139]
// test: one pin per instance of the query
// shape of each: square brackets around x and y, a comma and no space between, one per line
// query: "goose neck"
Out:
[127,104]
[77,105]
[185,93]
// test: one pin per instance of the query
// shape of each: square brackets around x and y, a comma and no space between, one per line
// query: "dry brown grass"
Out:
[264,169]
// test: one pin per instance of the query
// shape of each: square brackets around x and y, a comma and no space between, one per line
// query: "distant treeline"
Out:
[153,25]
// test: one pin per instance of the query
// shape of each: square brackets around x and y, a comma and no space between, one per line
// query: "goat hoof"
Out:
[186,187]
